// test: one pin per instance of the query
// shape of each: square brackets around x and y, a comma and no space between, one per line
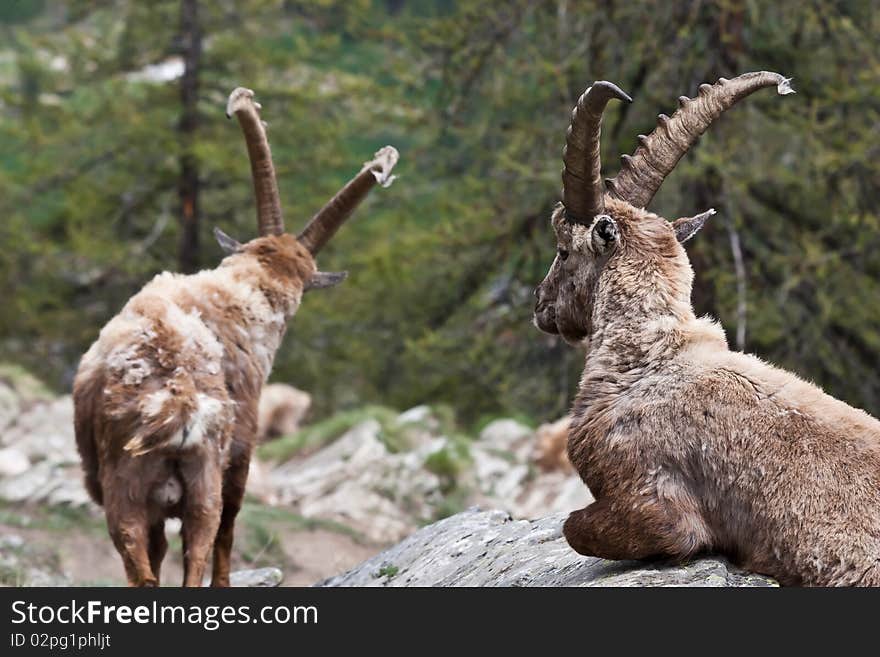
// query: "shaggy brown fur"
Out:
[166,403]
[688,446]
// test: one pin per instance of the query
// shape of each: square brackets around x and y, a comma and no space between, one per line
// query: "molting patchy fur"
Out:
[175,379]
[166,399]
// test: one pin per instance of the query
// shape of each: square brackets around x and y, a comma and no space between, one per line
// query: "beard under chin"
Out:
[575,341]
[547,321]
[545,324]
[574,335]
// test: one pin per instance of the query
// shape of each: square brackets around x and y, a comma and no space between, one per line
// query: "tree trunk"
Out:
[188,184]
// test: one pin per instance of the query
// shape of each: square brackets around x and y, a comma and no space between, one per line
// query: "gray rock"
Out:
[10,404]
[11,541]
[46,482]
[13,462]
[510,436]
[489,548]
[415,414]
[269,577]
[45,431]
[355,481]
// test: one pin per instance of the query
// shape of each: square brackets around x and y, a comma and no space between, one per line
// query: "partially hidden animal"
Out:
[551,443]
[687,446]
[166,399]
[281,411]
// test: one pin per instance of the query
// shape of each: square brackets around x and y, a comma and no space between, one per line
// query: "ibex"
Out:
[166,398]
[687,446]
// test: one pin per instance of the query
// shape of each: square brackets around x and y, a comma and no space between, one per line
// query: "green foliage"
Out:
[262,531]
[449,462]
[23,382]
[476,96]
[388,570]
[454,501]
[52,518]
[315,436]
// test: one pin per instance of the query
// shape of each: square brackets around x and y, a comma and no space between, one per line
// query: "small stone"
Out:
[415,415]
[258,577]
[11,542]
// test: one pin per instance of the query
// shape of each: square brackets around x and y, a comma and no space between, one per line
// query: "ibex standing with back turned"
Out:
[687,446]
[166,399]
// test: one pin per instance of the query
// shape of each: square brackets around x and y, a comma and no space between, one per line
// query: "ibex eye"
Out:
[563,254]
[606,229]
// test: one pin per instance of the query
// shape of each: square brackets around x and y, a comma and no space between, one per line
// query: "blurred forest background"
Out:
[116,161]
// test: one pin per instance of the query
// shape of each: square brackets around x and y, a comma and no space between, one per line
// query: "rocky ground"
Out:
[377,493]
[490,548]
[320,500]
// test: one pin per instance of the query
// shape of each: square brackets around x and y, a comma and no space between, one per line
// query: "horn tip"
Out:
[612,89]
[784,87]
[382,163]
[239,99]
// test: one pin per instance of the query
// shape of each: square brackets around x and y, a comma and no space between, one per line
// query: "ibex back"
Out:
[687,446]
[166,398]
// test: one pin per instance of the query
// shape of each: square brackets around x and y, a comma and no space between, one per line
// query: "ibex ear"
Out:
[228,244]
[604,234]
[686,227]
[322,279]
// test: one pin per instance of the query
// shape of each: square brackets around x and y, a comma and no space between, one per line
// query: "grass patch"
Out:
[311,438]
[16,562]
[51,518]
[388,571]
[449,461]
[11,575]
[261,518]
[455,501]
[261,532]
[24,383]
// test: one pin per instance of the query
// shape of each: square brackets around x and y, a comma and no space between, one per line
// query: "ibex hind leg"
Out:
[158,547]
[202,478]
[129,530]
[233,493]
[600,531]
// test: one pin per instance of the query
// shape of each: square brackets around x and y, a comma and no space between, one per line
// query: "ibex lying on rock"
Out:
[166,398]
[686,445]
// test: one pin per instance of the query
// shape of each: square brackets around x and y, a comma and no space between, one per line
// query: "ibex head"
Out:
[603,228]
[297,252]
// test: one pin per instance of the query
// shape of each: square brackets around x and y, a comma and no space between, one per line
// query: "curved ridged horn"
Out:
[657,154]
[582,191]
[241,103]
[328,219]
